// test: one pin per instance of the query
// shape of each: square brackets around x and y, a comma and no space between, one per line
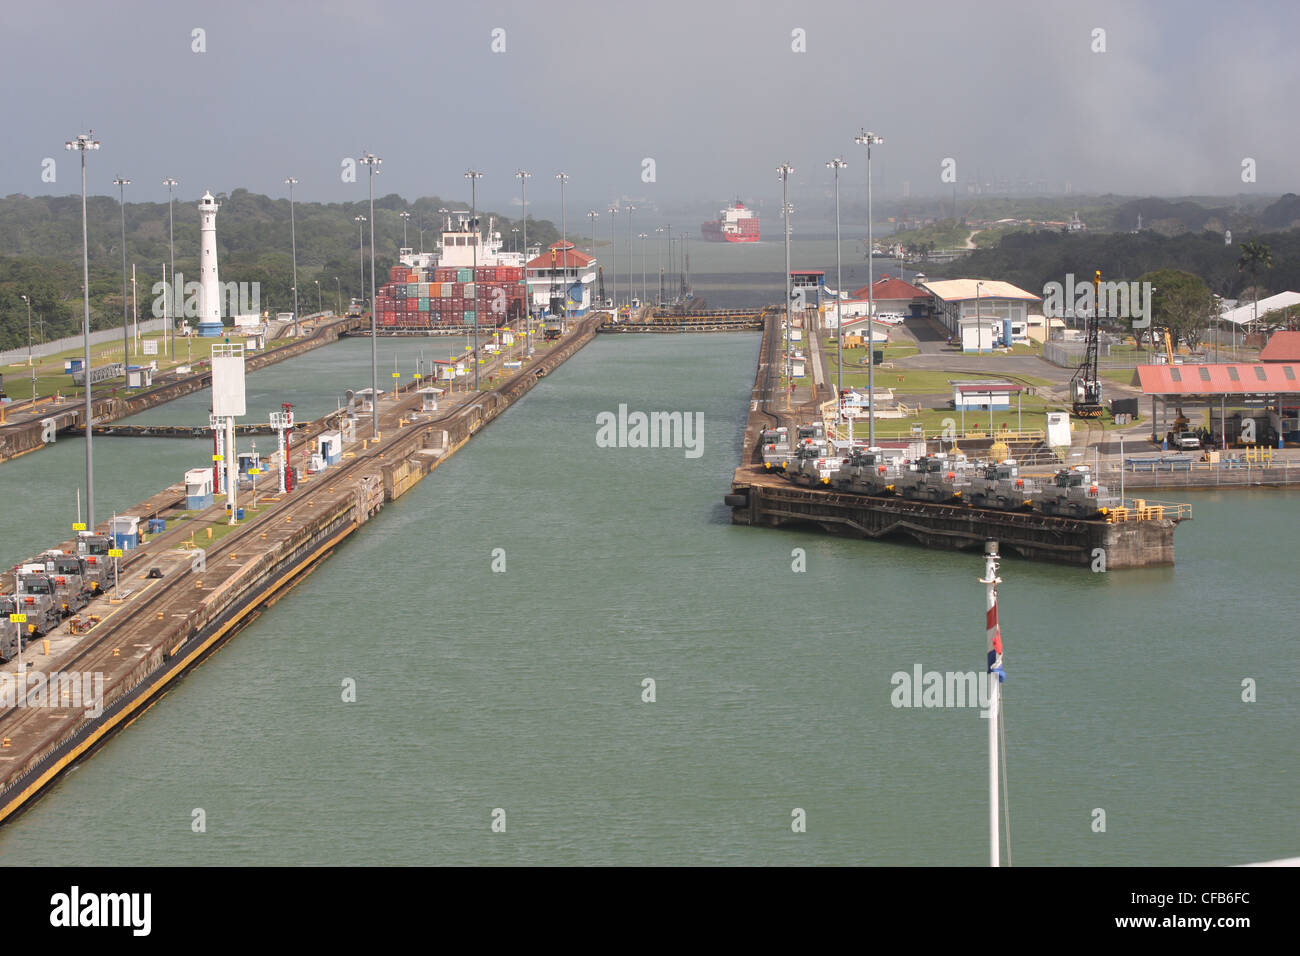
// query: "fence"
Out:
[74,341]
[1233,473]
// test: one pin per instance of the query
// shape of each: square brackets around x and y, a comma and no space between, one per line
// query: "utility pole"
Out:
[523,176]
[121,183]
[171,245]
[293,243]
[837,164]
[868,140]
[474,176]
[373,161]
[83,144]
[783,171]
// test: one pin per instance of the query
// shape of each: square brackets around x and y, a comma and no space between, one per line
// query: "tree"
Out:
[1181,302]
[1254,258]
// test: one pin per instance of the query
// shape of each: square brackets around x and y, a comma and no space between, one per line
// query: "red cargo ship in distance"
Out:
[734,224]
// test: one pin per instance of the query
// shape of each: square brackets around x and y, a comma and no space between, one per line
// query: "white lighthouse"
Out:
[209,285]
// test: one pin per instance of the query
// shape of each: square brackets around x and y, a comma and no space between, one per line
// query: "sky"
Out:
[670,102]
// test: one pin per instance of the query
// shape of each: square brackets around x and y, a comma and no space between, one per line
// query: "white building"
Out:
[992,305]
[561,278]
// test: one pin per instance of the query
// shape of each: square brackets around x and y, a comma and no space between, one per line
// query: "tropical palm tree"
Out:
[1254,258]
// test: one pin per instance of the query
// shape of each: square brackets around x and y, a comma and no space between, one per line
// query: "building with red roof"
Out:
[561,280]
[1282,347]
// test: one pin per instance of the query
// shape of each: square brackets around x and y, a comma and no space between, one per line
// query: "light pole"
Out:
[338,297]
[319,307]
[361,251]
[593,215]
[564,231]
[784,171]
[659,297]
[630,281]
[868,140]
[29,345]
[373,161]
[523,176]
[643,237]
[121,184]
[406,218]
[474,176]
[171,246]
[837,164]
[293,244]
[613,259]
[82,144]
[979,341]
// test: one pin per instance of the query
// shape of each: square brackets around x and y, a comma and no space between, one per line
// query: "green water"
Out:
[522,690]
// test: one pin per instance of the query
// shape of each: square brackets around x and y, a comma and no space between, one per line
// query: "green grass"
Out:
[52,380]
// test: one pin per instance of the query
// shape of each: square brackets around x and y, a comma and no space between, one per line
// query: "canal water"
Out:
[522,689]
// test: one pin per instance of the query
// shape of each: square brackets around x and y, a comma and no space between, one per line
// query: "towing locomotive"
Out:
[1072,492]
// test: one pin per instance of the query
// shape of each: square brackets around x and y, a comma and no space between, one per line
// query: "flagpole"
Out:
[995,676]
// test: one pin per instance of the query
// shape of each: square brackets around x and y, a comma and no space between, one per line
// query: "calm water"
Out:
[522,690]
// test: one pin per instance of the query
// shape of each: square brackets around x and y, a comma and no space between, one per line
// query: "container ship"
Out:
[734,224]
[445,289]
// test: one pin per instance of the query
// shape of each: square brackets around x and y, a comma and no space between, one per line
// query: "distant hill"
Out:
[40,251]
[1030,259]
[1283,214]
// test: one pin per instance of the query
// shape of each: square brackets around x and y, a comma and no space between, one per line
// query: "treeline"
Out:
[40,252]
[1031,259]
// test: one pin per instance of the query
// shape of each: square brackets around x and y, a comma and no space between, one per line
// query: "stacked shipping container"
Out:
[450,297]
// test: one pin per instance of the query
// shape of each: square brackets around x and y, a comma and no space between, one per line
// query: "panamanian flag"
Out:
[995,642]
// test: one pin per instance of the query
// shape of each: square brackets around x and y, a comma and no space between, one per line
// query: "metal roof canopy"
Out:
[1231,378]
[962,290]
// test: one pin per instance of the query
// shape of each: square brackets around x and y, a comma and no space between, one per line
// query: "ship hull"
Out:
[712,233]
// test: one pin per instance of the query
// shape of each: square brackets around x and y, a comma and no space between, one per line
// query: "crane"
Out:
[1085,386]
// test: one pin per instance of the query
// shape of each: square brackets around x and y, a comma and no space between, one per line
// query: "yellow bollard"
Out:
[45,647]
[209,531]
[117,652]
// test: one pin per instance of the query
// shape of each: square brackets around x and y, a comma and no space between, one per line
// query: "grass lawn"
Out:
[51,379]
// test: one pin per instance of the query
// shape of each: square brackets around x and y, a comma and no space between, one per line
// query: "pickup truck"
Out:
[1185,441]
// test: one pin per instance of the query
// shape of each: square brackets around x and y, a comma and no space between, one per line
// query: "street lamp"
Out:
[523,176]
[361,251]
[837,164]
[630,282]
[564,232]
[659,298]
[293,243]
[406,218]
[121,185]
[82,144]
[171,245]
[373,161]
[868,140]
[29,345]
[613,259]
[319,308]
[643,237]
[338,297]
[783,171]
[474,176]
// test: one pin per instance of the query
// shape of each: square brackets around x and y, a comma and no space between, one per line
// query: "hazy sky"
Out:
[711,91]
